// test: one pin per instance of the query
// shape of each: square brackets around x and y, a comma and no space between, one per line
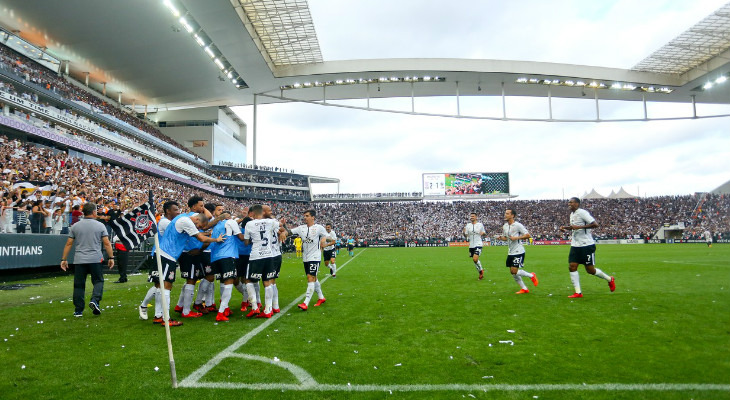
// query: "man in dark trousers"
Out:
[89,235]
[123,255]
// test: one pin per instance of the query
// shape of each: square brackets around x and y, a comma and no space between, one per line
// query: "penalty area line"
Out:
[605,387]
[192,379]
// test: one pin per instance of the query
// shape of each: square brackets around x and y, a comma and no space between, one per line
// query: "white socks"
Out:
[188,290]
[257,287]
[478,264]
[318,288]
[519,281]
[226,291]
[268,298]
[241,287]
[275,299]
[148,297]
[522,272]
[251,294]
[202,291]
[158,303]
[575,278]
[333,269]
[210,294]
[602,275]
[166,293]
[181,299]
[310,291]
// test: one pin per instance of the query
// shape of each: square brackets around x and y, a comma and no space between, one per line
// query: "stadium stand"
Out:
[79,144]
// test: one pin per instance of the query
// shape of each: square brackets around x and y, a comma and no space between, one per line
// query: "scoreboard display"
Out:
[465,184]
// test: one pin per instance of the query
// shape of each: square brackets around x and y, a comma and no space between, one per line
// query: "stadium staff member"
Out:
[89,234]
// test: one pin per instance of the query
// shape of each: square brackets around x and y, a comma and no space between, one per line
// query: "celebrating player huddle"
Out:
[239,253]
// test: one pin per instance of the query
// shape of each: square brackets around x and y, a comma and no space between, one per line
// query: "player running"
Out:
[514,233]
[582,246]
[708,237]
[314,238]
[329,251]
[473,231]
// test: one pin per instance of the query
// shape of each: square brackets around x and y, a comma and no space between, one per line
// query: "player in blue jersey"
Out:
[170,210]
[223,257]
[172,244]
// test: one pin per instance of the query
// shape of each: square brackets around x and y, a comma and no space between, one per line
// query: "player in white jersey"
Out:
[170,210]
[514,233]
[314,238]
[277,238]
[473,231]
[708,237]
[582,246]
[259,233]
[329,251]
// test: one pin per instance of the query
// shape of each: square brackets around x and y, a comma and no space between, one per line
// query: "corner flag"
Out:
[135,226]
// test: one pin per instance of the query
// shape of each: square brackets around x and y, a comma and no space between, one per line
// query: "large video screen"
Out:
[458,184]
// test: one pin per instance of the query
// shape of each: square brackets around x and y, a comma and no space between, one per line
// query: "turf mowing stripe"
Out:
[192,379]
[608,387]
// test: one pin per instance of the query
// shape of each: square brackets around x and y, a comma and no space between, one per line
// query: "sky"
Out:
[383,152]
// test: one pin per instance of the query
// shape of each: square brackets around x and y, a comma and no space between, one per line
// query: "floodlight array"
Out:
[595,84]
[187,21]
[364,81]
[711,83]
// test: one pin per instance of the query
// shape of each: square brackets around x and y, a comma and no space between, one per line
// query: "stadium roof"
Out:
[700,43]
[184,53]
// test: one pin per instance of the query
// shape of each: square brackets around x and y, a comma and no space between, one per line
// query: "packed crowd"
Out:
[260,178]
[40,75]
[61,182]
[255,167]
[346,196]
[618,218]
[113,138]
[111,135]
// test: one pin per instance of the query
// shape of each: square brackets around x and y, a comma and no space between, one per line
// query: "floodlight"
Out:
[219,63]
[707,85]
[172,8]
[210,52]
[721,79]
[186,24]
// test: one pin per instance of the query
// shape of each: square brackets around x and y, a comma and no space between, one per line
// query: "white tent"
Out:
[594,195]
[622,194]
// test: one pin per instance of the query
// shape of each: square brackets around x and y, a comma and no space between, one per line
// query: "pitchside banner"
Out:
[31,250]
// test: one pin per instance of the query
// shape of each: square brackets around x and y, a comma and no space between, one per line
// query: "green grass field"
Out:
[400,323]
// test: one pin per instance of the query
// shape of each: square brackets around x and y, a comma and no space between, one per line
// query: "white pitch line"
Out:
[630,387]
[192,379]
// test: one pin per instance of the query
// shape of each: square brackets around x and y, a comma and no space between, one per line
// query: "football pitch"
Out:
[399,323]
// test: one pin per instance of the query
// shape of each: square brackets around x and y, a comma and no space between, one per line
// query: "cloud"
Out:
[385,152]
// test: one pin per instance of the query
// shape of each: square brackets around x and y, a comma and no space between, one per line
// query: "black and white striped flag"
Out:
[135,226]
